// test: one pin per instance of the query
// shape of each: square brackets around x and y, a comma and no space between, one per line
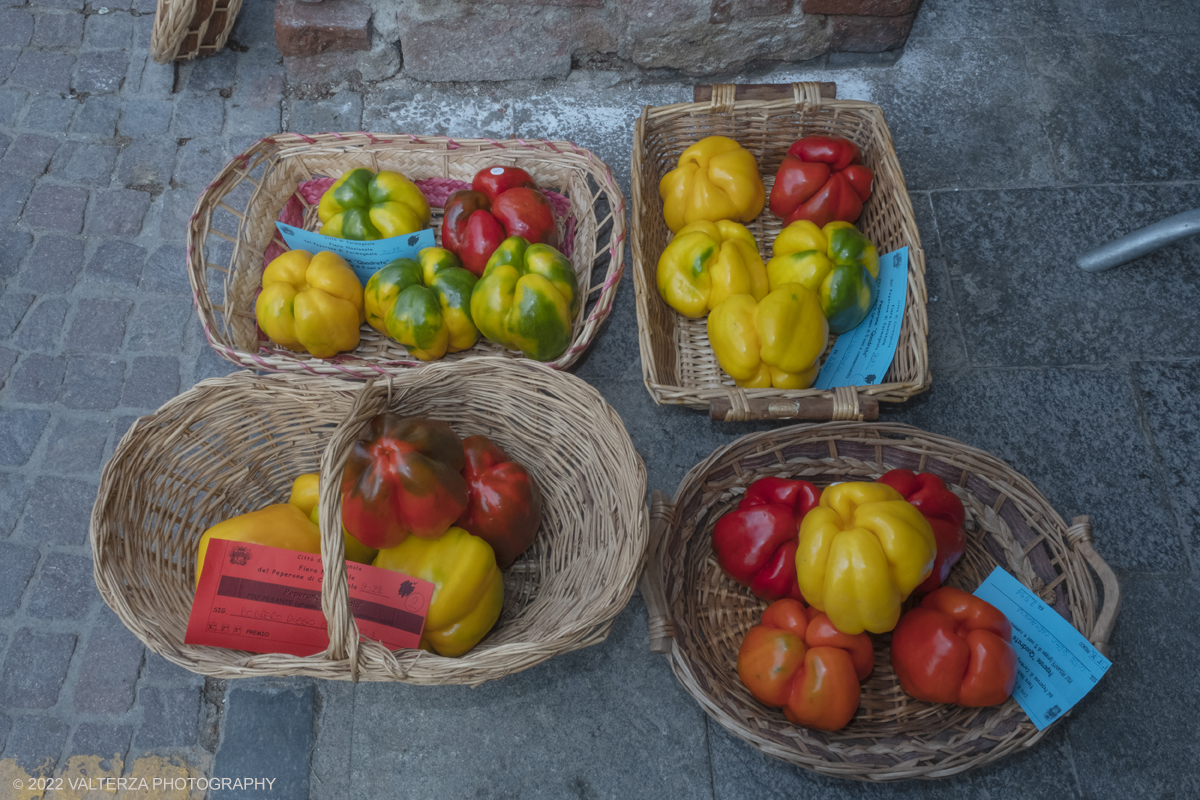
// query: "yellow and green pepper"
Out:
[776,342]
[468,587]
[837,261]
[364,205]
[423,304]
[716,179]
[707,262]
[311,303]
[527,299]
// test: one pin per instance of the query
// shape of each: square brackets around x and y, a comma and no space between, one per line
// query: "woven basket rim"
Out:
[588,621]
[605,241]
[667,585]
[741,402]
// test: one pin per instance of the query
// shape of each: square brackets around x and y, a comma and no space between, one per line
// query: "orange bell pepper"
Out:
[796,660]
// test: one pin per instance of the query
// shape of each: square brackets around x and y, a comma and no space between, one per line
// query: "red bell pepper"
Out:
[495,181]
[756,543]
[945,513]
[821,179]
[796,660]
[504,505]
[403,479]
[500,204]
[955,648]
[469,230]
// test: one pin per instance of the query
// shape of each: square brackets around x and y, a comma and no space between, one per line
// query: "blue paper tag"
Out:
[1056,666]
[861,357]
[365,258]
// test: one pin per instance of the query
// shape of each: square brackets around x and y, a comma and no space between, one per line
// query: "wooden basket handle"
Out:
[662,632]
[335,590]
[845,404]
[1079,535]
[723,95]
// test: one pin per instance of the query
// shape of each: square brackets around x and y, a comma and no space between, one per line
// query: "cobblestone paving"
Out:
[1027,135]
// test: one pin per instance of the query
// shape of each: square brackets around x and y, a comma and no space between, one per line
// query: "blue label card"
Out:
[861,357]
[1056,666]
[365,258]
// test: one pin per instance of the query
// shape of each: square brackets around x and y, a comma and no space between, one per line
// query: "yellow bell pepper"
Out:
[707,262]
[305,492]
[279,525]
[837,261]
[468,588]
[311,303]
[363,205]
[777,342]
[862,551]
[716,179]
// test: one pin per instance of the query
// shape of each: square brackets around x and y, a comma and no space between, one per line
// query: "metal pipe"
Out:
[1141,241]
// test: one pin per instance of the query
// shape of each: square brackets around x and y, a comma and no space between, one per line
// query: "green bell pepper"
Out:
[424,305]
[364,205]
[527,299]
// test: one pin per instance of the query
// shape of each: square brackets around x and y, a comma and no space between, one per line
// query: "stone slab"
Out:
[267,734]
[630,730]
[1166,392]
[1025,302]
[1075,433]
[1103,125]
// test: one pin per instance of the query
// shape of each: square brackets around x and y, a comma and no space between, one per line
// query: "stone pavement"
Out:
[1027,134]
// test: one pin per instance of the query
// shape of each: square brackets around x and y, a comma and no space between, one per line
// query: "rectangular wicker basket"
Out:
[233,229]
[678,365]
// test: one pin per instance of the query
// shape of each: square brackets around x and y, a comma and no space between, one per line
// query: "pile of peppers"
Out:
[498,272]
[854,552]
[419,500]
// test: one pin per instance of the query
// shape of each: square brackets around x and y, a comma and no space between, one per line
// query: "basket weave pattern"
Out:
[232,445]
[185,29]
[678,364]
[233,227]
[699,615]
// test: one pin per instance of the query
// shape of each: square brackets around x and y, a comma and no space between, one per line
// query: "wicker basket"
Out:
[231,445]
[678,365]
[698,616]
[185,29]
[233,230]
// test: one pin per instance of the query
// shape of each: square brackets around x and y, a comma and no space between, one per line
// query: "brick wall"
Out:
[464,40]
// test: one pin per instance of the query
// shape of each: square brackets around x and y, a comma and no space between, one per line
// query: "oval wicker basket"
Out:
[678,365]
[698,616]
[232,445]
[233,228]
[185,29]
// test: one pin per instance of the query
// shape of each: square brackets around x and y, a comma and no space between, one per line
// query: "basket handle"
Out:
[335,591]
[728,93]
[845,403]
[1080,537]
[662,632]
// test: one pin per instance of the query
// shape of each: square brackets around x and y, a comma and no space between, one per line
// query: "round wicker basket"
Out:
[185,29]
[232,445]
[698,616]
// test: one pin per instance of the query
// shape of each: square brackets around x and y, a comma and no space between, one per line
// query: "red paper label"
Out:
[268,600]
